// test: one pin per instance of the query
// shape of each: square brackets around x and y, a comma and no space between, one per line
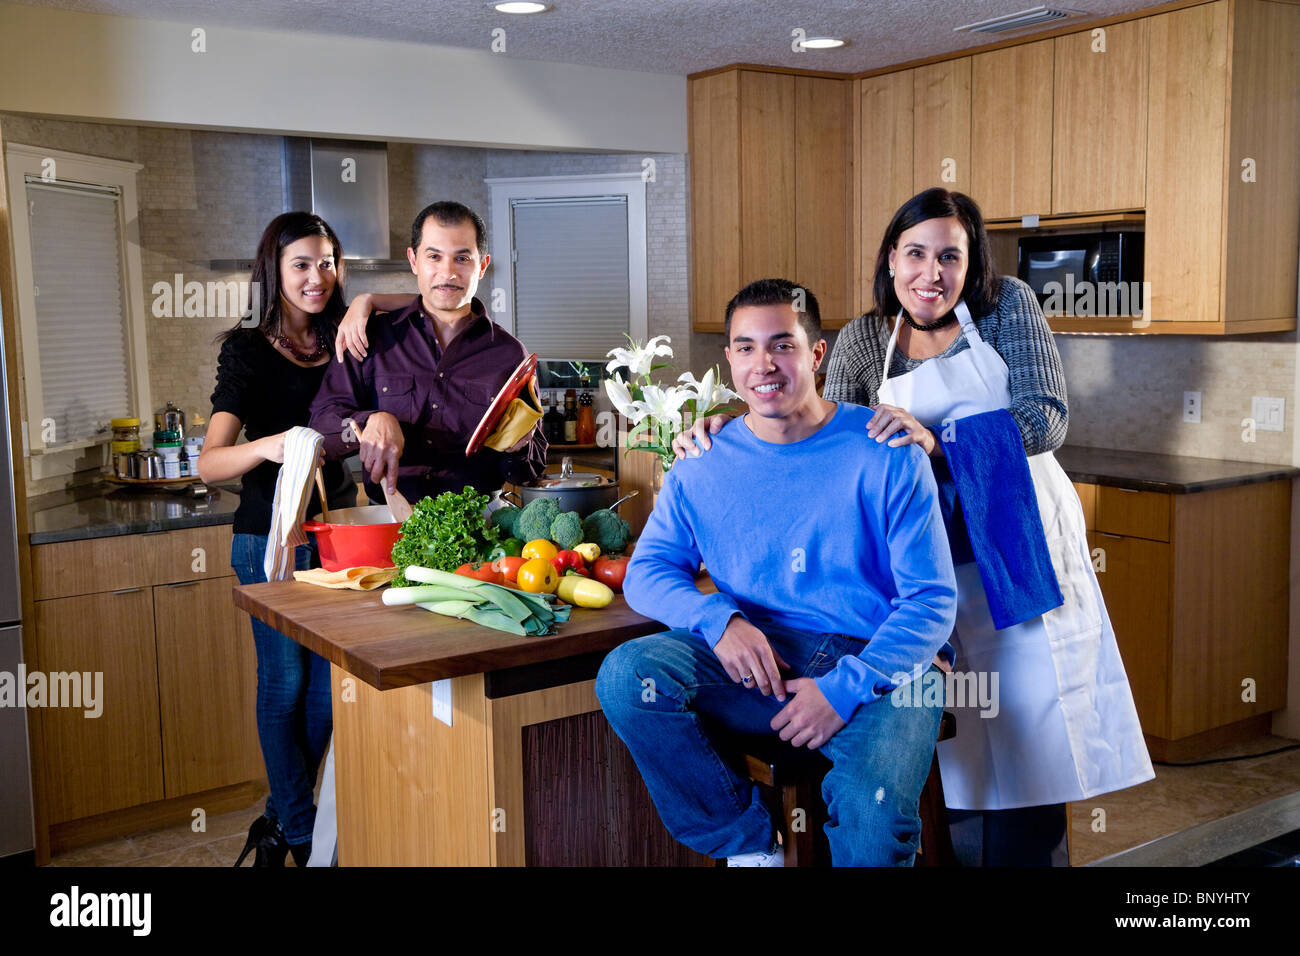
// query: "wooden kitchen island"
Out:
[529,772]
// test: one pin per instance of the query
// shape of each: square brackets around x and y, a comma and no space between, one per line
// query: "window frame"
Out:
[22,161]
[501,235]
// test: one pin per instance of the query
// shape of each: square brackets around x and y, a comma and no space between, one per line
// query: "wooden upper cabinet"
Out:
[715,193]
[823,196]
[941,125]
[1185,164]
[884,169]
[1099,149]
[767,190]
[771,195]
[1011,130]
[1263,228]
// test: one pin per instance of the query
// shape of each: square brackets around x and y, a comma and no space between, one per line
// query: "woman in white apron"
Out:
[1065,726]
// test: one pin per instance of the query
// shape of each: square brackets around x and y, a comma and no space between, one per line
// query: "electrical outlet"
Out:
[1269,413]
[1192,408]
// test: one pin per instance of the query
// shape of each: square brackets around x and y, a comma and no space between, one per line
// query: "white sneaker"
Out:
[773,857]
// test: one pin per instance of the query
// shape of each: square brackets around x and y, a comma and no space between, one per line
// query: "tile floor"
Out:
[1179,797]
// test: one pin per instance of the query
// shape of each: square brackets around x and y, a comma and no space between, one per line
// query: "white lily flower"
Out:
[665,404]
[622,400]
[705,392]
[639,358]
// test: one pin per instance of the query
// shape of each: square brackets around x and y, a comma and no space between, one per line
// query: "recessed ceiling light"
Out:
[518,6]
[821,43]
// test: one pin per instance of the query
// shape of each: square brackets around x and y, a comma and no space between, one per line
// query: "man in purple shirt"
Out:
[432,370]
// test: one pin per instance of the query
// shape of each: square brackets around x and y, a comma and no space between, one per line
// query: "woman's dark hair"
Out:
[282,231]
[982,282]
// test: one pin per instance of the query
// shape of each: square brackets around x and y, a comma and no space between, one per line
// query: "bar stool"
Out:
[789,780]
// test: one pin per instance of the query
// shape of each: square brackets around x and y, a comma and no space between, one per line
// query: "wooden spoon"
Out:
[320,487]
[397,504]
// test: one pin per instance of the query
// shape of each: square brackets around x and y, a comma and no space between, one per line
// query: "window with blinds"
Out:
[77,269]
[571,275]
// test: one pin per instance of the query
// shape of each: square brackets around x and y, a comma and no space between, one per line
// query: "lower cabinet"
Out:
[95,763]
[171,665]
[1197,587]
[207,687]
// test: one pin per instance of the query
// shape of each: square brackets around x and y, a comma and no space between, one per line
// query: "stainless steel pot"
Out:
[573,491]
[148,464]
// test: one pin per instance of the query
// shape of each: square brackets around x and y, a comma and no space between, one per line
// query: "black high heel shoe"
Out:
[301,853]
[266,837]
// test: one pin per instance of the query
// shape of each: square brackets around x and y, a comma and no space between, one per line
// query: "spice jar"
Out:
[126,435]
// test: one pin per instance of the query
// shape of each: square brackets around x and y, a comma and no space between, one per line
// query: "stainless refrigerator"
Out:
[15,763]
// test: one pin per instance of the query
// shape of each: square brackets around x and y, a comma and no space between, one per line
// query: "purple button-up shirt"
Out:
[437,396]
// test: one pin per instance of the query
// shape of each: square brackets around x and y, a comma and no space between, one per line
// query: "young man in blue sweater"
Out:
[834,582]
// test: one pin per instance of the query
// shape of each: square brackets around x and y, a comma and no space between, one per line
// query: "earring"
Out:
[891,273]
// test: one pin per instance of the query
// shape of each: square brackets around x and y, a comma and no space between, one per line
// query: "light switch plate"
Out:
[442,700]
[1192,408]
[1269,413]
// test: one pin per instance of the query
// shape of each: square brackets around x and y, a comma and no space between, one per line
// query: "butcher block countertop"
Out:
[390,647]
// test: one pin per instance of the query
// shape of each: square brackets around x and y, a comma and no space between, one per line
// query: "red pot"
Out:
[355,537]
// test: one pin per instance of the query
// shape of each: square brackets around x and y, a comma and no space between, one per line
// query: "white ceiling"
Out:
[658,36]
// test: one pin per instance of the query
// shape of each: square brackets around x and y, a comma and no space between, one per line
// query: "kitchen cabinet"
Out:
[883,118]
[1197,590]
[1099,120]
[1011,130]
[941,125]
[1222,232]
[771,160]
[95,764]
[153,614]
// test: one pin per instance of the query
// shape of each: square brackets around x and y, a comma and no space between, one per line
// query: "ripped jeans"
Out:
[880,758]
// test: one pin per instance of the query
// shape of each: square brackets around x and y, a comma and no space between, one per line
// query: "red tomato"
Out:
[480,571]
[611,571]
[508,568]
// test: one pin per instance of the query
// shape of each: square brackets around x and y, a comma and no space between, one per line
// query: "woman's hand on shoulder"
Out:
[351,335]
[684,446]
[890,420]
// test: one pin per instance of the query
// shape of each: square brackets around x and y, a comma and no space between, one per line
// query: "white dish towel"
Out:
[292,492]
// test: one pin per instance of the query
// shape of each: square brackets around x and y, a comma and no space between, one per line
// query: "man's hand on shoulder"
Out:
[808,720]
[744,652]
[381,448]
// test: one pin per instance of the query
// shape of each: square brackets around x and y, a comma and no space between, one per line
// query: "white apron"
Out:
[1065,727]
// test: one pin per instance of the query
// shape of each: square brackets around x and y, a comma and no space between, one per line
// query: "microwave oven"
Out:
[1084,274]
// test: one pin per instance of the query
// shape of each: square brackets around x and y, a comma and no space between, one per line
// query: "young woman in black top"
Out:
[267,376]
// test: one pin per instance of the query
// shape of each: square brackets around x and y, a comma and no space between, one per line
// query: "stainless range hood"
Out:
[345,182]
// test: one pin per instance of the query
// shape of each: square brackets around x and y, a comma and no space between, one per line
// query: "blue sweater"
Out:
[832,534]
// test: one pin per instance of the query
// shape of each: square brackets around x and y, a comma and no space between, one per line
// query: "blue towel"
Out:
[999,511]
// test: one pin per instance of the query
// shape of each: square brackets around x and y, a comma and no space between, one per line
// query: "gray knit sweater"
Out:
[1017,331]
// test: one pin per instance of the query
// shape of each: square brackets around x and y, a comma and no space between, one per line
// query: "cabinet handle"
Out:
[1129,491]
[182,584]
[128,591]
[1106,534]
[152,534]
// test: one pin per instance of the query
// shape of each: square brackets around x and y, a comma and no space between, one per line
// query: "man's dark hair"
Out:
[780,292]
[448,213]
[982,282]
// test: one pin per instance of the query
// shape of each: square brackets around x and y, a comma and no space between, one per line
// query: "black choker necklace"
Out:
[937,324]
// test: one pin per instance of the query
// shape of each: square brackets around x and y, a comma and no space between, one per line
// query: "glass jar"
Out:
[126,435]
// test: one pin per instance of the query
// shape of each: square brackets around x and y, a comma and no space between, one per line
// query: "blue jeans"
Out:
[880,758]
[294,720]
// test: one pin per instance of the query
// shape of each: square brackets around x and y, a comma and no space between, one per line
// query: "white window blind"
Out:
[80,320]
[571,284]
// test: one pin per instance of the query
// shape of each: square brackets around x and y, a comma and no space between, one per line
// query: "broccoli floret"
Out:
[535,521]
[566,530]
[606,529]
[506,520]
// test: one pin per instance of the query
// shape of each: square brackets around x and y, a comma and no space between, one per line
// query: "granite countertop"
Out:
[102,510]
[1172,474]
